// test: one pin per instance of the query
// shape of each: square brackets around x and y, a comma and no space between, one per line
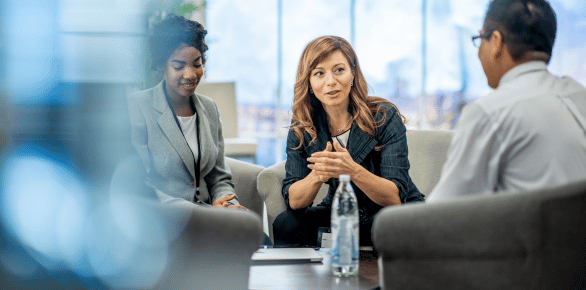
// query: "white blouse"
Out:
[342,139]
[187,125]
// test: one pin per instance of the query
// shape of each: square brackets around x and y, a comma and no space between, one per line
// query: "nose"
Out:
[190,73]
[330,79]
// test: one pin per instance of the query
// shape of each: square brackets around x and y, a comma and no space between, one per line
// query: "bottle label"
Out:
[345,249]
[345,242]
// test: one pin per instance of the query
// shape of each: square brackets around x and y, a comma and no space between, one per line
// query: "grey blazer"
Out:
[168,159]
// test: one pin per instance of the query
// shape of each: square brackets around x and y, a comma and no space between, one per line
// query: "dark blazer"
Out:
[391,162]
[164,151]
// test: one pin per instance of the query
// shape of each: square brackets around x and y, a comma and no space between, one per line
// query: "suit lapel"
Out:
[171,129]
[204,134]
[323,135]
[360,143]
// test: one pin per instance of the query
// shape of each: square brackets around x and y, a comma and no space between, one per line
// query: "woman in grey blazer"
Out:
[177,133]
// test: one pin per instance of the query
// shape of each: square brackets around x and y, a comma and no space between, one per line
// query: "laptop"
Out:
[285,256]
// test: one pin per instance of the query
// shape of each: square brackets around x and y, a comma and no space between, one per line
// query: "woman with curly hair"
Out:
[176,132]
[338,129]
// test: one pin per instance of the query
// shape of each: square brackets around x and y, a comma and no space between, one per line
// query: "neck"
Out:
[338,120]
[177,102]
[180,105]
[508,63]
[534,56]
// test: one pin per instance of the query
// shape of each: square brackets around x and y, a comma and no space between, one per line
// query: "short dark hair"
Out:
[170,33]
[526,25]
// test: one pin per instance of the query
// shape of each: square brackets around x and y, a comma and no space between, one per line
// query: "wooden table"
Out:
[314,275]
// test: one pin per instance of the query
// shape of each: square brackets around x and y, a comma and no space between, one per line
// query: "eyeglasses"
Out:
[476,40]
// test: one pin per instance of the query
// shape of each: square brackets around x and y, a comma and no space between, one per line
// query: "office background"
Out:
[66,67]
[417,54]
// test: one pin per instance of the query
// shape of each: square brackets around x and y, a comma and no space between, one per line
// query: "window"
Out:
[429,71]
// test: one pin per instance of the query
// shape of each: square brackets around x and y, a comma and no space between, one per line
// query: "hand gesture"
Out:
[328,164]
[322,178]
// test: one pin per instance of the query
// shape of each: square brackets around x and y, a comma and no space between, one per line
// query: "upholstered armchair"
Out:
[427,154]
[200,247]
[530,240]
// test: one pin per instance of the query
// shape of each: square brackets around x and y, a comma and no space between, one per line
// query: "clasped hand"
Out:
[224,202]
[331,164]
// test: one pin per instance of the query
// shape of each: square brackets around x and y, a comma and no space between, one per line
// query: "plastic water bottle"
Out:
[345,230]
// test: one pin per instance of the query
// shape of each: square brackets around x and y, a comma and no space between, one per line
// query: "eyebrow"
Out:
[341,63]
[182,62]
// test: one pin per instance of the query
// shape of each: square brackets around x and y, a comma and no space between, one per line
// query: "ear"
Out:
[496,45]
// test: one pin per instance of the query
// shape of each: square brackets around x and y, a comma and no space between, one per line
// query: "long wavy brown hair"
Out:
[363,108]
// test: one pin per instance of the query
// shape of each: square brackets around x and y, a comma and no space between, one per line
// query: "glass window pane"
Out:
[429,86]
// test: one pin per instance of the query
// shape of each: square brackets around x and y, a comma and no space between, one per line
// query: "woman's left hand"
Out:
[333,164]
[236,206]
[224,202]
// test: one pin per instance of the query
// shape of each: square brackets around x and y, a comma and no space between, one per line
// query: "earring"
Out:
[352,84]
[310,91]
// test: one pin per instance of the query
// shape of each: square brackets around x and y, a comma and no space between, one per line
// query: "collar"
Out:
[517,71]
[160,99]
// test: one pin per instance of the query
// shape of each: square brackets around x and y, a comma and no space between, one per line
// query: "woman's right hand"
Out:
[303,192]
[323,178]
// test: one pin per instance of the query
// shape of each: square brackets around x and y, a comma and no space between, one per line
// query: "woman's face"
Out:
[331,81]
[183,71]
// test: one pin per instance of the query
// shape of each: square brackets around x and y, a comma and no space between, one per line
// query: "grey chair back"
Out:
[427,154]
[535,239]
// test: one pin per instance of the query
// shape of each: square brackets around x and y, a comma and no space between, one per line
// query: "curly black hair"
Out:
[170,33]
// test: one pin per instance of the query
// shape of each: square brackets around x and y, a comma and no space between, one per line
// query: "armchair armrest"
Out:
[212,248]
[269,185]
[244,176]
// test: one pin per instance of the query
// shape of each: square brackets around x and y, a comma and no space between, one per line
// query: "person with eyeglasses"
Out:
[530,132]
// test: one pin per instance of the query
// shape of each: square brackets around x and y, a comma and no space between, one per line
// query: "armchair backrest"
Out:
[534,239]
[427,154]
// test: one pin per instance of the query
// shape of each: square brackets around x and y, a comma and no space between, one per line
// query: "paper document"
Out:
[286,255]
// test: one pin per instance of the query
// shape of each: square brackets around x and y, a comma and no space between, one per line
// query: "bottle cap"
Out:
[344,177]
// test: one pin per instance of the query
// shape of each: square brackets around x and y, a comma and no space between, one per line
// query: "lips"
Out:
[189,86]
[331,93]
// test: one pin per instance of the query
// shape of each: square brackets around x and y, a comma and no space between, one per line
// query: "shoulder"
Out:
[141,96]
[474,112]
[474,121]
[387,108]
[293,140]
[388,117]
[382,109]
[206,102]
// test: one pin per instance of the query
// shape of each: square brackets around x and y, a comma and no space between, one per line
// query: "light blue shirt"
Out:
[528,133]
